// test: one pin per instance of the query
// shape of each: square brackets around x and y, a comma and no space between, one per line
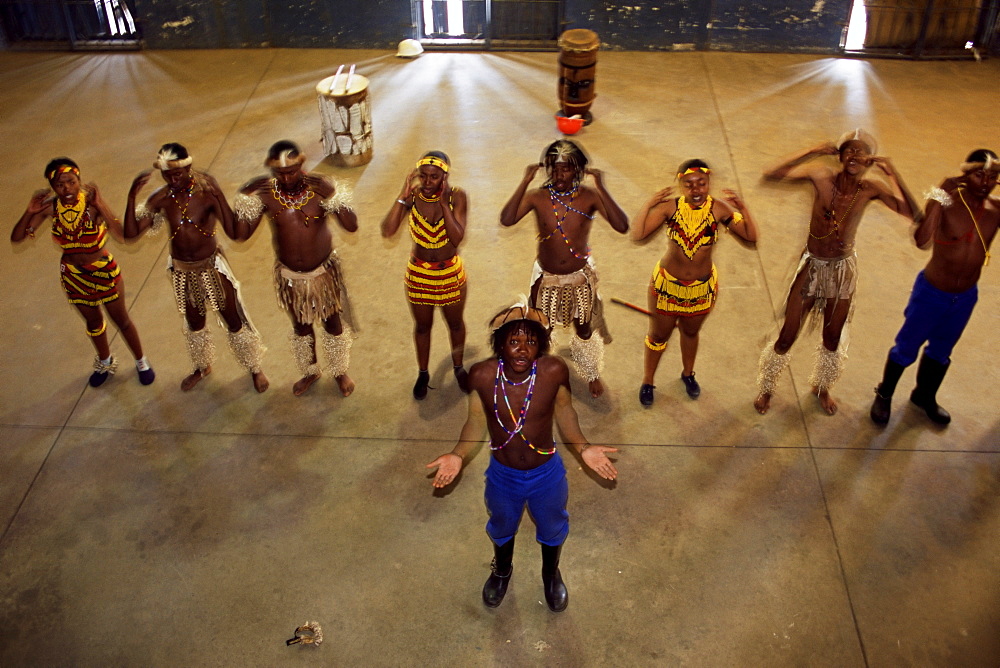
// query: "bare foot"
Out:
[826,401]
[195,378]
[299,388]
[346,385]
[260,382]
[762,403]
[596,388]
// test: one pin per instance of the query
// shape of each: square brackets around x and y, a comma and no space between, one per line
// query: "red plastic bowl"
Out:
[568,126]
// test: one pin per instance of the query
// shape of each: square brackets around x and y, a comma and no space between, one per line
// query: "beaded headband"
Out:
[990,163]
[62,169]
[168,160]
[433,162]
[286,159]
[694,170]
[519,312]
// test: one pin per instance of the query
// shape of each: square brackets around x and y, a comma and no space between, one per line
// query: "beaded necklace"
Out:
[692,228]
[499,387]
[295,200]
[72,219]
[832,215]
[986,260]
[554,197]
[433,198]
[183,208]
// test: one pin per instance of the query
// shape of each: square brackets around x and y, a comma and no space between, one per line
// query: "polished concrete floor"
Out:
[146,526]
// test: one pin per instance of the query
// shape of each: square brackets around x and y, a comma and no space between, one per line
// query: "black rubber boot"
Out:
[501,569]
[555,591]
[882,406]
[930,373]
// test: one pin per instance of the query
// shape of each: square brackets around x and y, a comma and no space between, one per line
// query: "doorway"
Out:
[524,24]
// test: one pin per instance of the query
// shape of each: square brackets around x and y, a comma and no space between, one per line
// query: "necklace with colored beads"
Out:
[183,208]
[986,259]
[554,197]
[519,419]
[72,219]
[433,198]
[294,201]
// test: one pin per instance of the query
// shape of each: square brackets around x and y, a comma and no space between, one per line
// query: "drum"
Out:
[347,119]
[577,68]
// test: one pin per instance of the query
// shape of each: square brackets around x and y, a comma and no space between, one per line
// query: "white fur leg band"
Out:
[247,208]
[588,354]
[304,353]
[247,349]
[201,347]
[770,367]
[338,352]
[829,366]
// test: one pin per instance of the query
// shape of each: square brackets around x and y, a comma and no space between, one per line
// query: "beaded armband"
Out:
[339,200]
[940,196]
[247,207]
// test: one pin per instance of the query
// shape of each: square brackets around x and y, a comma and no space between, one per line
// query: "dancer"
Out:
[826,277]
[685,282]
[190,203]
[960,223]
[564,279]
[307,274]
[527,389]
[436,213]
[91,278]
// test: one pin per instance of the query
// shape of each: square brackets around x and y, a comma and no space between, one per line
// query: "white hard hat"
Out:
[409,48]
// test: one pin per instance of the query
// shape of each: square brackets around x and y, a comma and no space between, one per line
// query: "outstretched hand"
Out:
[596,457]
[448,467]
[531,170]
[252,186]
[733,198]
[883,164]
[141,179]
[320,185]
[826,148]
[661,196]
[39,201]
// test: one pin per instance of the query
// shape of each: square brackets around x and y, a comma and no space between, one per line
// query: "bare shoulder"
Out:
[159,196]
[483,372]
[553,366]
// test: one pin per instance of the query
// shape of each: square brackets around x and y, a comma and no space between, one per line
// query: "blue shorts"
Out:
[544,490]
[935,317]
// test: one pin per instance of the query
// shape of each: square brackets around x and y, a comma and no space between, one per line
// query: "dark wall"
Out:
[212,24]
[733,25]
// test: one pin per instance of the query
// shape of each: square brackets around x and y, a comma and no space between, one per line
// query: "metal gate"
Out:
[489,23]
[78,24]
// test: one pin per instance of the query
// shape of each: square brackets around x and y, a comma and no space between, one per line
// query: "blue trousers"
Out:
[935,317]
[544,490]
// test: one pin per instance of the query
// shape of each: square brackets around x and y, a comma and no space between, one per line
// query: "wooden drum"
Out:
[577,68]
[347,119]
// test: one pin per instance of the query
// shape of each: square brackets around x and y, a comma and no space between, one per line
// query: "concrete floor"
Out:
[146,526]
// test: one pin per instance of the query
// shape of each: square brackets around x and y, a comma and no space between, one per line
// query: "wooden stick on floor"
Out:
[631,306]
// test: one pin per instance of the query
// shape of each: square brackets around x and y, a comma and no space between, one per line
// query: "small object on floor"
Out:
[103,369]
[691,385]
[420,387]
[146,373]
[462,376]
[646,394]
[309,633]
